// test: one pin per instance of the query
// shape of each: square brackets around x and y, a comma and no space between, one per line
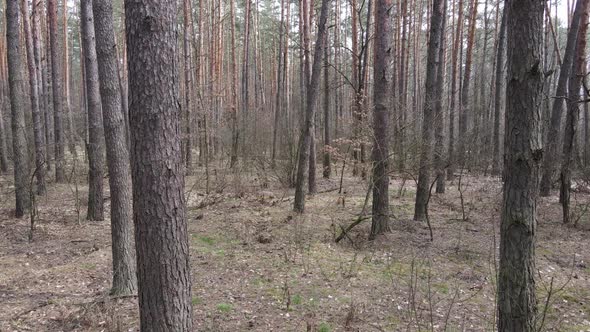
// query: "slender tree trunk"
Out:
[3,147]
[32,58]
[246,68]
[118,162]
[381,100]
[95,129]
[500,79]
[17,107]
[553,142]
[453,101]
[573,112]
[71,130]
[426,149]
[161,234]
[327,163]
[188,86]
[516,278]
[234,89]
[464,117]
[57,87]
[312,92]
[278,101]
[439,119]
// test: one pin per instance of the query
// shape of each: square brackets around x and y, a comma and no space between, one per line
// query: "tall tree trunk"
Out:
[118,162]
[3,147]
[71,130]
[17,107]
[553,142]
[307,24]
[188,86]
[381,100]
[327,168]
[573,113]
[159,207]
[57,80]
[312,92]
[500,79]
[32,59]
[516,278]
[453,98]
[234,90]
[246,68]
[464,117]
[426,148]
[439,114]
[279,97]
[95,129]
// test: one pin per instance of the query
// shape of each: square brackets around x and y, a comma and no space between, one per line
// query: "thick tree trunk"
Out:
[381,101]
[118,162]
[516,278]
[32,59]
[57,80]
[159,207]
[500,79]
[553,141]
[312,92]
[17,107]
[573,113]
[95,130]
[426,148]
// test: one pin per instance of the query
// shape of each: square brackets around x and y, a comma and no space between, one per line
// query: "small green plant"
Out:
[224,307]
[296,299]
[196,301]
[324,327]
[206,239]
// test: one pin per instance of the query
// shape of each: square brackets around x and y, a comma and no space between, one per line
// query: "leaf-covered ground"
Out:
[256,266]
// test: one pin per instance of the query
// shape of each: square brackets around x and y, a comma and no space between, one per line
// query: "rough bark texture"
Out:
[426,149]
[439,119]
[188,85]
[516,282]
[500,79]
[553,141]
[57,80]
[17,107]
[573,114]
[453,88]
[95,131]
[118,162]
[381,101]
[39,138]
[327,169]
[157,166]
[464,132]
[312,93]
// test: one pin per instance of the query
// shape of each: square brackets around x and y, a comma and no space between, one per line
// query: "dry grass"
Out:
[257,266]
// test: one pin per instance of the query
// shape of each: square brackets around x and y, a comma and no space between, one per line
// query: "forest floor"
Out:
[257,266]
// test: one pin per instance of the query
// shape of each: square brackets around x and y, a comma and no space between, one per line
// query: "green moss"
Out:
[224,307]
[196,300]
[324,327]
[88,266]
[296,299]
[441,287]
[204,239]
